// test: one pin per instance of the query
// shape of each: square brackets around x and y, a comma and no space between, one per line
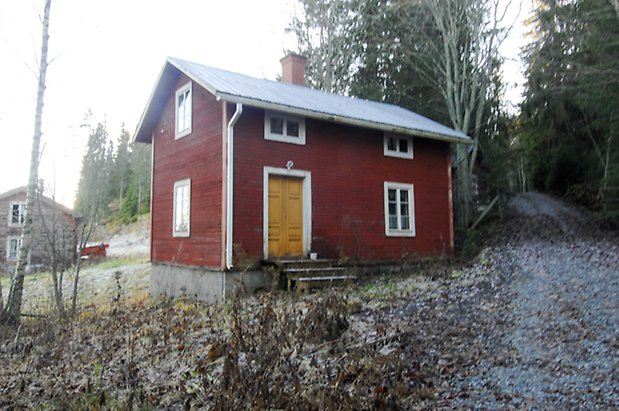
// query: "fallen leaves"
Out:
[503,332]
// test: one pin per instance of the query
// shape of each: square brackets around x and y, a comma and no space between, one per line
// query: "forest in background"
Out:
[568,127]
[440,58]
[115,176]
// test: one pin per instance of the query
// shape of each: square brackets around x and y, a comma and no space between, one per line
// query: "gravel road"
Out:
[551,337]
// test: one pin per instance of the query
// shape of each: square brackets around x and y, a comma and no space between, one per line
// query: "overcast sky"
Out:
[106,56]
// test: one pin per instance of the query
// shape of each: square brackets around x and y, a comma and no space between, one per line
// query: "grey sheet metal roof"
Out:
[291,98]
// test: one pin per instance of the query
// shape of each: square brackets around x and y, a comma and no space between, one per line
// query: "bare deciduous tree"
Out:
[324,36]
[58,242]
[461,64]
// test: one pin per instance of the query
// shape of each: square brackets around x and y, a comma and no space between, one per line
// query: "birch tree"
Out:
[12,312]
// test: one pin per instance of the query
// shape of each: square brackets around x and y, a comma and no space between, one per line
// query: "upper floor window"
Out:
[284,128]
[399,210]
[182,208]
[183,111]
[398,146]
[17,213]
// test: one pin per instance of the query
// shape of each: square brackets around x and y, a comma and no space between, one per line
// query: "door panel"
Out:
[294,216]
[275,215]
[285,216]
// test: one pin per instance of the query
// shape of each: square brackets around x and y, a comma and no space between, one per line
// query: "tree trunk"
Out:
[13,310]
[120,196]
[465,195]
[139,198]
[615,4]
[78,266]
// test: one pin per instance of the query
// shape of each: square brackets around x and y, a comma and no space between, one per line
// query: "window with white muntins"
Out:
[399,210]
[182,208]
[12,247]
[398,146]
[284,128]
[183,111]
[17,213]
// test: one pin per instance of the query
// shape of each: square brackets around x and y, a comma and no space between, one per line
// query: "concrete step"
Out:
[305,274]
[312,271]
[304,284]
[298,263]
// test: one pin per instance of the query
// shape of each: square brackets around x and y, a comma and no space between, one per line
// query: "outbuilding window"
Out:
[17,214]
[183,111]
[182,208]
[398,146]
[12,247]
[399,210]
[284,128]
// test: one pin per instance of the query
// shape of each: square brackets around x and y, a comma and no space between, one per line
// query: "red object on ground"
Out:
[95,250]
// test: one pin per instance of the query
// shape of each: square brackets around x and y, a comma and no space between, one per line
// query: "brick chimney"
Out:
[293,69]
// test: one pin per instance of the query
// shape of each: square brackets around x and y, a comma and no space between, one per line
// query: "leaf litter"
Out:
[532,322]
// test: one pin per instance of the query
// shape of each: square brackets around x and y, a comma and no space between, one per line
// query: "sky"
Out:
[106,56]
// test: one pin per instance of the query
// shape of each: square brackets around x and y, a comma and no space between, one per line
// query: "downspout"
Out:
[230,185]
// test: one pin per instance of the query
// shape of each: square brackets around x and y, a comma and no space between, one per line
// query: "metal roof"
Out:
[291,98]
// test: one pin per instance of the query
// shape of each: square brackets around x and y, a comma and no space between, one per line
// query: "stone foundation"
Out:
[204,284]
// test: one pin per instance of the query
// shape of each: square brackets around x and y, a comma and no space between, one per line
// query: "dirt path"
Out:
[549,337]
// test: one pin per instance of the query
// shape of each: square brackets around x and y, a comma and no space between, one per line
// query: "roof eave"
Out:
[231,98]
[49,201]
[13,192]
[154,106]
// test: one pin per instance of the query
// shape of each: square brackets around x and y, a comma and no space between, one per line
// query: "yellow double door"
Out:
[285,216]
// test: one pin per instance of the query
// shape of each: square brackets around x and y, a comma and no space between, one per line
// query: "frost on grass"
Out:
[267,352]
[530,323]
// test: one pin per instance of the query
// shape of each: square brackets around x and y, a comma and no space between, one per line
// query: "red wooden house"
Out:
[246,169]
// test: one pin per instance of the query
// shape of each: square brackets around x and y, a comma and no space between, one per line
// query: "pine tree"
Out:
[122,168]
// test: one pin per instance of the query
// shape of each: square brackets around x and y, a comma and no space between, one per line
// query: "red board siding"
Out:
[197,156]
[348,170]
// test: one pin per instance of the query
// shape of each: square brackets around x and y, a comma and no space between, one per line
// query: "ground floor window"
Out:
[182,208]
[12,247]
[399,210]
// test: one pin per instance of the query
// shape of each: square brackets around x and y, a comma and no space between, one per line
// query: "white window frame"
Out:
[177,186]
[22,214]
[399,232]
[408,154]
[284,138]
[178,132]
[8,247]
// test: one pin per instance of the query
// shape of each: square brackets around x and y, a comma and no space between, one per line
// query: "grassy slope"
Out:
[98,283]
